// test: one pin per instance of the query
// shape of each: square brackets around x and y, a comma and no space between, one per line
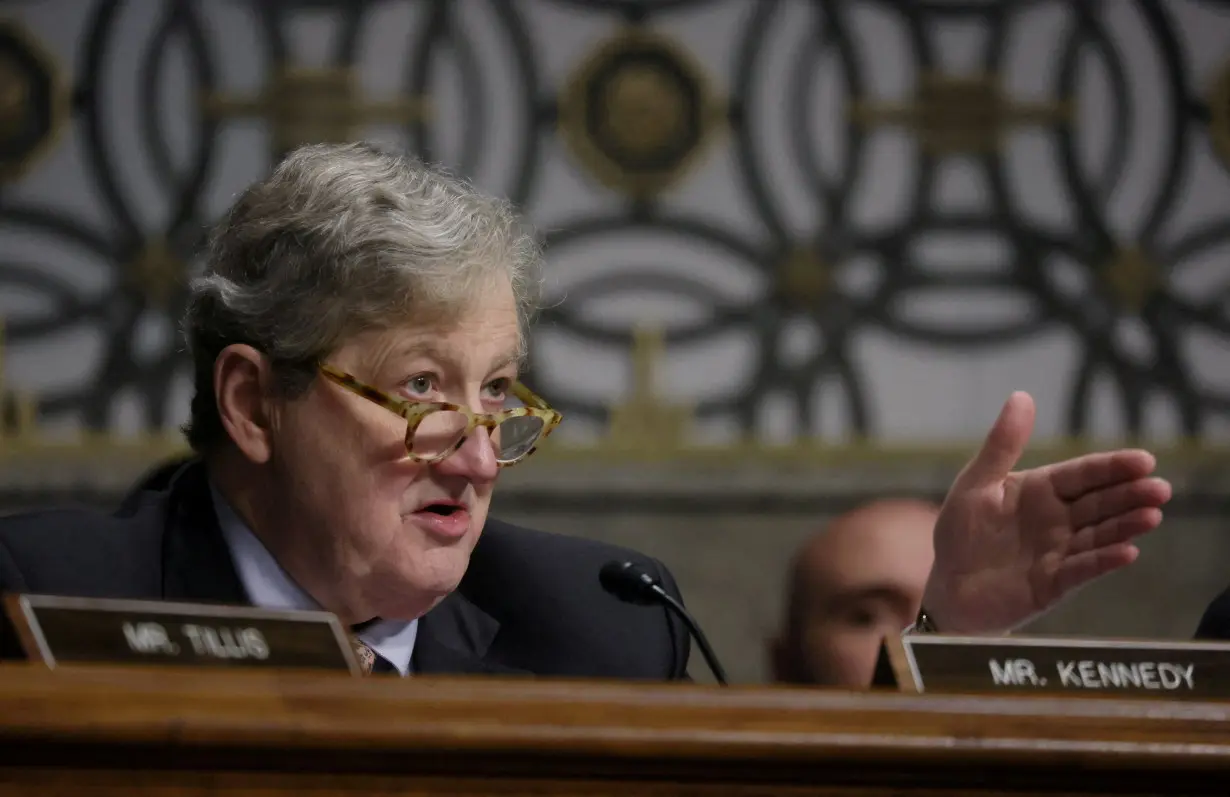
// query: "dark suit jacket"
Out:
[529,603]
[1215,624]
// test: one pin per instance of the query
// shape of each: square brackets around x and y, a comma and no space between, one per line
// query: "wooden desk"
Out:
[146,732]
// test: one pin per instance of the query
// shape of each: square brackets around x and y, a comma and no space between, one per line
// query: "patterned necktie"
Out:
[370,661]
[367,656]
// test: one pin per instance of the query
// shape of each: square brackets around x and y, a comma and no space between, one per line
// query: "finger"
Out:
[1078,570]
[1116,530]
[1075,477]
[1094,507]
[1004,444]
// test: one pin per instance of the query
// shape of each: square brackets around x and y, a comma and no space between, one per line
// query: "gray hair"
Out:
[339,239]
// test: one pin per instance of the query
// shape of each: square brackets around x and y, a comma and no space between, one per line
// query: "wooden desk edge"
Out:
[294,710]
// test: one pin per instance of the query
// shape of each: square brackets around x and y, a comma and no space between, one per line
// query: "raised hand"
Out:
[1009,545]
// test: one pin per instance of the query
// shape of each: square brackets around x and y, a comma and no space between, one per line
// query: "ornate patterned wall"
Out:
[832,220]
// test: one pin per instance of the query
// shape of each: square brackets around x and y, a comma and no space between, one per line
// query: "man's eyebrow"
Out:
[419,347]
[427,348]
[516,358]
[877,590]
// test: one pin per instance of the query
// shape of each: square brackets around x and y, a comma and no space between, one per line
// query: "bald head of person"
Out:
[859,580]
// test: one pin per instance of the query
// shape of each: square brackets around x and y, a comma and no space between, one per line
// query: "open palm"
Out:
[1009,545]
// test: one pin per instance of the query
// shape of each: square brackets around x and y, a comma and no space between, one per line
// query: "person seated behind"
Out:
[356,337]
[859,580]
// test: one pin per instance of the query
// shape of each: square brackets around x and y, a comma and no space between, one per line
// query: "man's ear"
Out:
[241,382]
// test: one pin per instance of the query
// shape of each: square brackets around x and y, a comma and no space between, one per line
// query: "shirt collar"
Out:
[270,587]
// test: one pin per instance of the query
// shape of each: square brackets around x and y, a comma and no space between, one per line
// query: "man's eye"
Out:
[498,389]
[861,617]
[419,384]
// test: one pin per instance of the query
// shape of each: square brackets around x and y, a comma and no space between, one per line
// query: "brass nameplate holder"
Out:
[62,631]
[1124,668]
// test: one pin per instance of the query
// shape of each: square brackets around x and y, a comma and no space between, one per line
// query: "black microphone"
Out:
[631,583]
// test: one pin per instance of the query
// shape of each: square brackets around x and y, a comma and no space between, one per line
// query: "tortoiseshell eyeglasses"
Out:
[436,429]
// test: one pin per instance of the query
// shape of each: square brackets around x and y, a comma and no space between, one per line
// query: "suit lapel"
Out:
[433,657]
[455,638]
[196,565]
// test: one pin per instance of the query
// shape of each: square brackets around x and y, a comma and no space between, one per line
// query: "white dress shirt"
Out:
[269,587]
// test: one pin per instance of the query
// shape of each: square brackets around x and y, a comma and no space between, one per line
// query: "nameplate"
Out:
[60,631]
[942,663]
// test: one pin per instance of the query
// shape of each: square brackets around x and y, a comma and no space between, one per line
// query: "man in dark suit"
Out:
[356,339]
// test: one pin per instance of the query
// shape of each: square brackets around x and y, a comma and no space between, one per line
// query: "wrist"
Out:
[944,607]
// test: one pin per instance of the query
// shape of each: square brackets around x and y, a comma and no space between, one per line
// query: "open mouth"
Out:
[444,519]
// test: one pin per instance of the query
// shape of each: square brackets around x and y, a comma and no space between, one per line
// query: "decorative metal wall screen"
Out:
[122,147]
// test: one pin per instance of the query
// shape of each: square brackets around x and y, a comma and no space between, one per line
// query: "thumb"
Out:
[1004,444]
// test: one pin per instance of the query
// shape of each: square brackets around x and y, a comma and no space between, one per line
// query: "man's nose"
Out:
[475,459]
